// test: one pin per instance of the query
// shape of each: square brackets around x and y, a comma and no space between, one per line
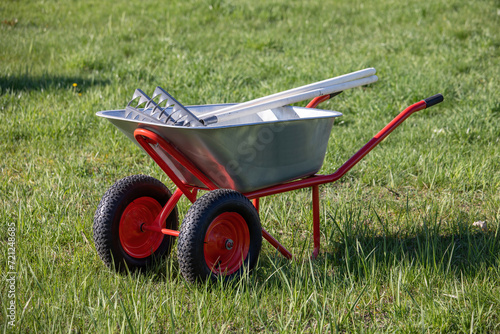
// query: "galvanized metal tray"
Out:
[245,154]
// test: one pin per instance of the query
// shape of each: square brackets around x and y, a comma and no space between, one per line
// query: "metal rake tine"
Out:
[169,118]
[140,115]
[166,95]
[162,93]
[162,110]
[142,97]
[134,97]
[157,106]
[150,103]
[177,107]
[181,114]
[183,120]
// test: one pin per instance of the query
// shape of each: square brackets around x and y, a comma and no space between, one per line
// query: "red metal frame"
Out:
[147,139]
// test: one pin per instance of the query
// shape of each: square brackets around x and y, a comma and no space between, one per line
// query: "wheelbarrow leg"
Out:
[256,203]
[316,233]
[276,244]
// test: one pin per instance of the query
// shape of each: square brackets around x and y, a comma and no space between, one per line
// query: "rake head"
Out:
[161,108]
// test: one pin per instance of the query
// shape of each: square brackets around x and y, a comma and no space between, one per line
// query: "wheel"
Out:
[221,235]
[126,206]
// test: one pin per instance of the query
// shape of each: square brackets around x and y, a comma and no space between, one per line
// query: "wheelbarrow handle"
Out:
[321,179]
[429,102]
[433,100]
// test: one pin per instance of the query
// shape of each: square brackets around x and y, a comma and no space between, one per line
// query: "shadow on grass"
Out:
[458,254]
[365,262]
[354,253]
[360,257]
[357,252]
[47,82]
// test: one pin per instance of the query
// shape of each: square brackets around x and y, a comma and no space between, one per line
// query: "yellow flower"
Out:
[74,85]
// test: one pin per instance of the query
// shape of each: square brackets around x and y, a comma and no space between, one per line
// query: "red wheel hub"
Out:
[136,242]
[227,242]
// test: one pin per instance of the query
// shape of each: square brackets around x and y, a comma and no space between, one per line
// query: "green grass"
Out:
[399,252]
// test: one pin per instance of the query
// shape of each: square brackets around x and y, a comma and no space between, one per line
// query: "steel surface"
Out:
[244,154]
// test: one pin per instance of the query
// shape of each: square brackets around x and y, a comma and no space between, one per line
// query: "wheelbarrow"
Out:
[237,161]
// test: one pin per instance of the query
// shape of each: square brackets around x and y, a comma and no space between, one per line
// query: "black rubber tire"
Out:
[190,247]
[107,219]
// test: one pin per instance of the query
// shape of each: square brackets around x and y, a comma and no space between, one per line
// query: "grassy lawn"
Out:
[399,249]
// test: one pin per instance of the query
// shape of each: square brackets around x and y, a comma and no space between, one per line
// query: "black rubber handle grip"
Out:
[435,99]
